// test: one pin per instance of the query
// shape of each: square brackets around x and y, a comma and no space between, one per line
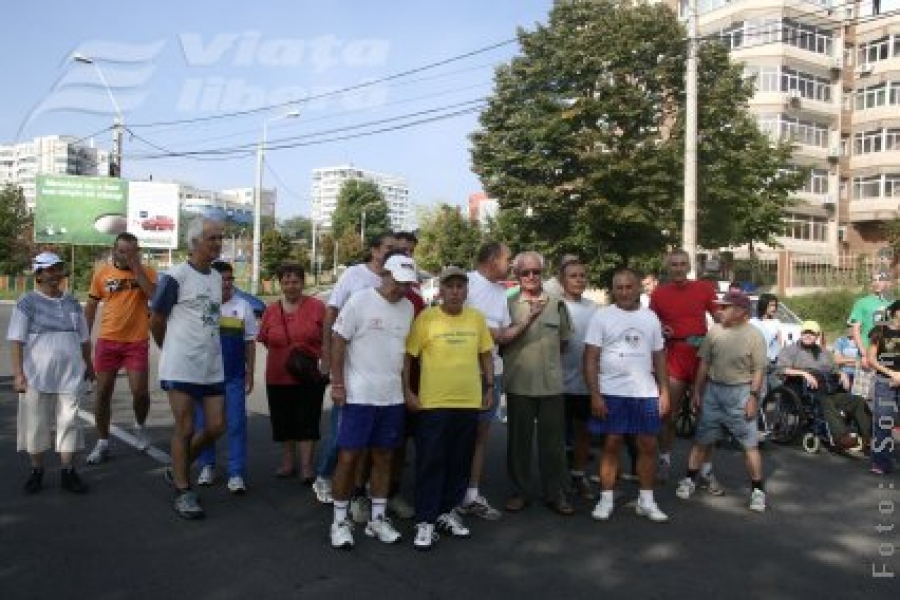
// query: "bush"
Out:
[830,309]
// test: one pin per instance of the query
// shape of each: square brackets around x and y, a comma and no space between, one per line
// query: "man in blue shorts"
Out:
[367,351]
[625,372]
[184,321]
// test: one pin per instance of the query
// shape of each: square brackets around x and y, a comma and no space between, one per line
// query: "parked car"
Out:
[158,223]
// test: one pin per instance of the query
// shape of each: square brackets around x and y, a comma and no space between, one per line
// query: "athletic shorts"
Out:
[197,391]
[41,413]
[492,413]
[627,416]
[111,356]
[682,361]
[723,410]
[364,426]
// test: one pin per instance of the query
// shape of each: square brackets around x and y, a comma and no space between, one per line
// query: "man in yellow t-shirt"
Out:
[454,346]
[124,287]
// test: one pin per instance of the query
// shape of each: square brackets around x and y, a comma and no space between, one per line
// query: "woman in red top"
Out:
[295,406]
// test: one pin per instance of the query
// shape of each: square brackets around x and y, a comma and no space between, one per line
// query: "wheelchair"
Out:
[793,410]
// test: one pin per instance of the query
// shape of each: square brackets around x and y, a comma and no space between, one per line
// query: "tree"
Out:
[446,237]
[276,250]
[297,228]
[582,139]
[356,197]
[16,231]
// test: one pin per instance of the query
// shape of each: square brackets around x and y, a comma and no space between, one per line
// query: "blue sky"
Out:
[172,63]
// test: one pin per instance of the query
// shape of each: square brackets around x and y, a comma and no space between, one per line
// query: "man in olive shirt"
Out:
[534,386]
[732,366]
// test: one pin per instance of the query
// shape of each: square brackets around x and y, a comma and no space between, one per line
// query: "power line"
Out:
[358,86]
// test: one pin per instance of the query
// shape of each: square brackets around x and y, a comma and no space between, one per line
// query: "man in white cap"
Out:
[367,356]
[48,334]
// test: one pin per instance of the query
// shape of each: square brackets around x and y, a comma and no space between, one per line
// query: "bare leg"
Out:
[609,462]
[481,438]
[646,462]
[182,406]
[103,391]
[137,381]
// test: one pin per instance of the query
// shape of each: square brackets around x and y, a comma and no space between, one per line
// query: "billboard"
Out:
[70,209]
[79,210]
[153,213]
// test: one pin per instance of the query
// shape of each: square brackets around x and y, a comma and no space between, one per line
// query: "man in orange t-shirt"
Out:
[124,287]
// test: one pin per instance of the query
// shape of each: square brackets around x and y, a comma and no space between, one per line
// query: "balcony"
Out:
[874,209]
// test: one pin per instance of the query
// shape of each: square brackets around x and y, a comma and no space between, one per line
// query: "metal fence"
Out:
[813,271]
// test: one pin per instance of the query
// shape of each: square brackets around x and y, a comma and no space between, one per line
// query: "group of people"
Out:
[402,373]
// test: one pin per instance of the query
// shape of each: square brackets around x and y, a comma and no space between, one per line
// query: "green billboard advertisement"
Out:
[78,210]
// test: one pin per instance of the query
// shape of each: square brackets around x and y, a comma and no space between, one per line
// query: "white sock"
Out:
[340,510]
[471,494]
[706,469]
[378,508]
[646,497]
[665,457]
[606,496]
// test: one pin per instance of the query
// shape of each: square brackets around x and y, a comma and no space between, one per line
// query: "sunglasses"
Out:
[530,272]
[808,332]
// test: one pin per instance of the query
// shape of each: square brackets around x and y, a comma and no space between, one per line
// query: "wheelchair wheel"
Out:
[782,411]
[686,419]
[811,443]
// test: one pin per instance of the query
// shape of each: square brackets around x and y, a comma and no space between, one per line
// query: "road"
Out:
[829,519]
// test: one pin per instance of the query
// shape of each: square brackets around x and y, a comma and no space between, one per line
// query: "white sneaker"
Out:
[140,437]
[758,501]
[99,454]
[480,507]
[342,535]
[207,475]
[603,509]
[426,536]
[383,530]
[452,523]
[400,507]
[686,488]
[361,510]
[711,485]
[322,489]
[652,512]
[236,485]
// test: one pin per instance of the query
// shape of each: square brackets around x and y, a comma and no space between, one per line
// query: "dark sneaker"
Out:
[35,481]
[71,482]
[188,506]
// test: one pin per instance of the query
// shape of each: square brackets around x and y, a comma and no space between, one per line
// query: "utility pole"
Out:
[115,167]
[689,233]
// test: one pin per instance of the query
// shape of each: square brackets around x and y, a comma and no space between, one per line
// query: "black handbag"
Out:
[302,365]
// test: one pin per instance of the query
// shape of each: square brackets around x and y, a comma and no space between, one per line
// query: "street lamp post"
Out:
[115,167]
[257,198]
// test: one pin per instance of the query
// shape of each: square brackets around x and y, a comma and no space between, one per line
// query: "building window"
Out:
[873,96]
[874,51]
[866,187]
[817,182]
[802,227]
[867,142]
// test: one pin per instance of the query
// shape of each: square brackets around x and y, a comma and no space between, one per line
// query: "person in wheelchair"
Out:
[807,364]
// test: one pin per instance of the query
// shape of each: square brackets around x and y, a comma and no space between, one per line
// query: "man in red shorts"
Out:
[681,305]
[124,287]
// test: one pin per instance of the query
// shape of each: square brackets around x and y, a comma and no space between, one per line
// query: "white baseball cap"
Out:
[45,260]
[402,268]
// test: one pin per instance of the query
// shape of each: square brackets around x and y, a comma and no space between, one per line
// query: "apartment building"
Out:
[235,205]
[827,77]
[21,163]
[327,183]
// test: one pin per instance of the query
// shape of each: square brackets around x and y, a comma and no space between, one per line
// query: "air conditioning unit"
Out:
[865,69]
[837,63]
[834,153]
[828,202]
[794,95]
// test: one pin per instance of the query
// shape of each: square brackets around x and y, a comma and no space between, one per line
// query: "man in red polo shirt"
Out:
[681,305]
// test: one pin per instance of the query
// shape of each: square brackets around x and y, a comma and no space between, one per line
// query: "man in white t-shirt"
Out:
[368,349]
[184,321]
[488,295]
[357,277]
[625,371]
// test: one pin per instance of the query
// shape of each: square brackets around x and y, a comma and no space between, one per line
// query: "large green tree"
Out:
[16,231]
[297,228]
[276,250]
[582,139]
[446,237]
[356,198]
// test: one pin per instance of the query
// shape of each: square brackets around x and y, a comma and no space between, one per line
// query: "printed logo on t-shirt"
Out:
[120,285]
[632,337]
[376,324]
